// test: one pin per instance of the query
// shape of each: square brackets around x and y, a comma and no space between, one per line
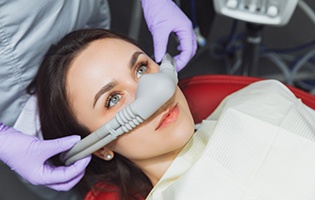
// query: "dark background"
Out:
[214,28]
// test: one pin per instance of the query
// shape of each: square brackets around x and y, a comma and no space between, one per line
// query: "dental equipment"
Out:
[153,91]
[267,12]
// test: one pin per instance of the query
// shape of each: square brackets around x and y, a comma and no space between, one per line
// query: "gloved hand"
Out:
[27,155]
[164,17]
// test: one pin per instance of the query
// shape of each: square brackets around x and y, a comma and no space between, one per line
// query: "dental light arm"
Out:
[153,91]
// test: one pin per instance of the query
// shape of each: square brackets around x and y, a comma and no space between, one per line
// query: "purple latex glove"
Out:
[27,155]
[164,17]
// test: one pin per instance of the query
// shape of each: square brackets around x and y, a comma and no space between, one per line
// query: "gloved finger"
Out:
[66,186]
[56,146]
[65,174]
[160,40]
[180,64]
[188,47]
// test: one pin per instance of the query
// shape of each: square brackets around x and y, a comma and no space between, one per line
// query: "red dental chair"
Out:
[204,93]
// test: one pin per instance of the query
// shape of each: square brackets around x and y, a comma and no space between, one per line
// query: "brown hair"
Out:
[57,119]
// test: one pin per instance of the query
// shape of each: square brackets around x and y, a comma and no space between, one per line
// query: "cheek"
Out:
[144,142]
[150,146]
[133,144]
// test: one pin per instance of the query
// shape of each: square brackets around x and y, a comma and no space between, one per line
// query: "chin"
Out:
[184,131]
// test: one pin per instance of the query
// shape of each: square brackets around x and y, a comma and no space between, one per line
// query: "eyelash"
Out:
[112,95]
[109,98]
[141,64]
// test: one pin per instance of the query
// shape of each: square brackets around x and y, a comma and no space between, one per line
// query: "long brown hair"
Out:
[57,119]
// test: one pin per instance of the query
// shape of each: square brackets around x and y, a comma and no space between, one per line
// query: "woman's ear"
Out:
[104,153]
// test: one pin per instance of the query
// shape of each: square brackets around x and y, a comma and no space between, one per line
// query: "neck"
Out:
[156,167]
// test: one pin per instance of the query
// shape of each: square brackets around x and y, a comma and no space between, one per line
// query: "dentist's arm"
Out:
[164,17]
[27,155]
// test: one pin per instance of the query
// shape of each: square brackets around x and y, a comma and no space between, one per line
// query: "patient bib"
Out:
[259,145]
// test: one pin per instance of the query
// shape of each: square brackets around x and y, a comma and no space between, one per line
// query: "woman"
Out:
[109,66]
[92,74]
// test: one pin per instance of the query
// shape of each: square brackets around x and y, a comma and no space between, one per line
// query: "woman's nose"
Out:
[131,91]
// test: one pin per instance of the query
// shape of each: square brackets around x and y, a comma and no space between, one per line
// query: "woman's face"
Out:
[103,78]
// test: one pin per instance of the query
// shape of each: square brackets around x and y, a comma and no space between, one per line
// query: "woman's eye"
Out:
[141,70]
[113,100]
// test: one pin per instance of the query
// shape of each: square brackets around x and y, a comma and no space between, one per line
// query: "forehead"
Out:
[100,62]
[106,48]
[107,52]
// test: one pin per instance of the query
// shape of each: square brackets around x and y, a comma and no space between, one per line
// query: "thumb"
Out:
[59,145]
[160,40]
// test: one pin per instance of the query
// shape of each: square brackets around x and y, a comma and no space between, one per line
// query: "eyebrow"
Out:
[111,85]
[134,58]
[103,90]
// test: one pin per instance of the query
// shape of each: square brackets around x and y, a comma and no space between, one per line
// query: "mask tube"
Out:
[153,91]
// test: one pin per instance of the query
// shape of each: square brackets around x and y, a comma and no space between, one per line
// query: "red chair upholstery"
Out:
[205,92]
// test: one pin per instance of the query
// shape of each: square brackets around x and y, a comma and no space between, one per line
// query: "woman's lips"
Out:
[168,118]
